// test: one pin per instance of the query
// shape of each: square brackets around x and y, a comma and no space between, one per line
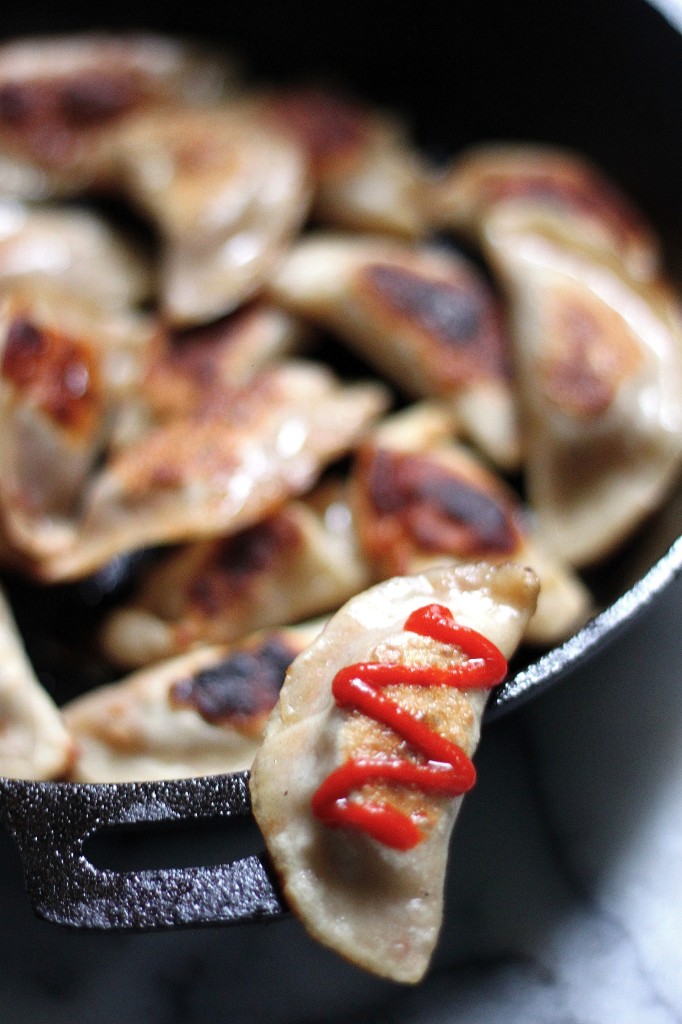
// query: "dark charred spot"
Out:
[95,98]
[439,510]
[452,312]
[54,372]
[244,686]
[238,560]
[14,104]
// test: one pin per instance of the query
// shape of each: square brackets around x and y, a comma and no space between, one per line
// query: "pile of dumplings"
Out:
[183,386]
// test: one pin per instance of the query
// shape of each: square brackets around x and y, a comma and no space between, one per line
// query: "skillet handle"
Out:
[51,822]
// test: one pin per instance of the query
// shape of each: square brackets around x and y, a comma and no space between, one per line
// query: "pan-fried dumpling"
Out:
[293,565]
[226,196]
[63,363]
[600,371]
[34,743]
[60,97]
[567,191]
[75,250]
[425,318]
[420,502]
[366,175]
[342,793]
[198,714]
[221,471]
[198,370]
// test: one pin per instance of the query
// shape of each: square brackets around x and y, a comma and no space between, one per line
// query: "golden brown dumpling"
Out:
[226,196]
[295,564]
[371,897]
[64,363]
[421,500]
[425,318]
[60,97]
[220,471]
[198,714]
[600,372]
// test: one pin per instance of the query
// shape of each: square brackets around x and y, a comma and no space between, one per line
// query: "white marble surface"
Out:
[564,900]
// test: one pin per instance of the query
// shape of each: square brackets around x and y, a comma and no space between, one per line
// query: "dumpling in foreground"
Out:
[365,759]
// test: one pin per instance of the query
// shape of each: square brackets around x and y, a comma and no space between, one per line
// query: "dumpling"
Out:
[34,742]
[61,96]
[199,370]
[226,196]
[198,714]
[576,201]
[599,361]
[362,769]
[63,364]
[425,318]
[366,175]
[73,249]
[292,565]
[421,500]
[221,471]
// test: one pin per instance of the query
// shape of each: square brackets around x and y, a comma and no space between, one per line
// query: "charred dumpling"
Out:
[198,371]
[425,318]
[420,501]
[600,372]
[292,565]
[63,365]
[355,813]
[60,97]
[197,714]
[220,471]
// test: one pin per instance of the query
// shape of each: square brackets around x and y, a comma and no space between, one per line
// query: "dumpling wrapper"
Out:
[295,564]
[64,363]
[197,714]
[226,195]
[34,742]
[378,907]
[75,250]
[61,97]
[365,173]
[421,500]
[570,194]
[600,373]
[425,318]
[201,369]
[218,472]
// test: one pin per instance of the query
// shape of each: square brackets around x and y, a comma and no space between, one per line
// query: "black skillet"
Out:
[603,76]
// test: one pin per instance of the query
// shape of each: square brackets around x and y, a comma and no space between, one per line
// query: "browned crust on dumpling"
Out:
[558,184]
[195,714]
[54,373]
[60,96]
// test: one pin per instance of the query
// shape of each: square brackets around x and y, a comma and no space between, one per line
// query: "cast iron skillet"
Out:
[603,76]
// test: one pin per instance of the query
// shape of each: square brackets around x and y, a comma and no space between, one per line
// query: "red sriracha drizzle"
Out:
[447,771]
